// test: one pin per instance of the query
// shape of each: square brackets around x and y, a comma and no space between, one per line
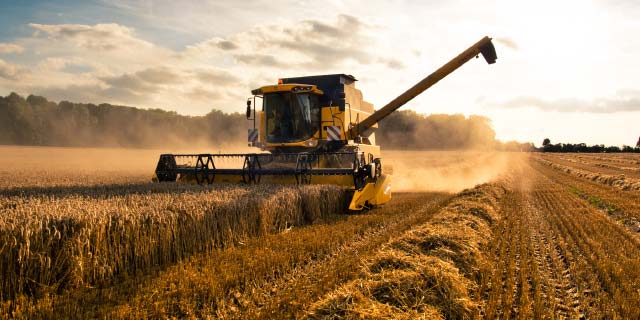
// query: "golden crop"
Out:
[550,236]
[59,238]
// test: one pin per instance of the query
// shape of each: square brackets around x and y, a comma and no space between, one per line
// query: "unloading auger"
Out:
[314,129]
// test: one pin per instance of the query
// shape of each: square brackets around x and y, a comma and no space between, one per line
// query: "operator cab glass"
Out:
[291,117]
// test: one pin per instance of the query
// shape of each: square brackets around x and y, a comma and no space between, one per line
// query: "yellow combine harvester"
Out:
[315,129]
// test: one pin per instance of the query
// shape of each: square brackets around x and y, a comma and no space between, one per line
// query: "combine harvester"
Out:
[314,129]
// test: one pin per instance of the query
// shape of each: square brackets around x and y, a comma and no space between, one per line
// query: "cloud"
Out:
[158,75]
[226,45]
[53,64]
[107,37]
[204,94]
[307,44]
[10,48]
[10,72]
[508,42]
[110,63]
[628,94]
[215,76]
[345,26]
[212,44]
[620,103]
[146,81]
[392,63]
[324,44]
[259,60]
[95,93]
[159,86]
[87,93]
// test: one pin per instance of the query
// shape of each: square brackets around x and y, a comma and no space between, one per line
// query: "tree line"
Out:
[37,121]
[547,146]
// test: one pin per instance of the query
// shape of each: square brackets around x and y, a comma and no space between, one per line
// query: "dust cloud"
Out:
[444,171]
[408,130]
[96,159]
[22,166]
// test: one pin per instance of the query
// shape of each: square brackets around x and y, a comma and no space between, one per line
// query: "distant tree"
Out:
[37,121]
[547,146]
[36,100]
[638,143]
[612,149]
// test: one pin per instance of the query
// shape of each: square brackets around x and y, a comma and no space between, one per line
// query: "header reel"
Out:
[344,168]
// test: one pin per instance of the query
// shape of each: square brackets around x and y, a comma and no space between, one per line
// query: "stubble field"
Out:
[84,234]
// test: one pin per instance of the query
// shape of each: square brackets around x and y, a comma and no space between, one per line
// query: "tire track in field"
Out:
[533,276]
[564,295]
[502,280]
[574,253]
[602,261]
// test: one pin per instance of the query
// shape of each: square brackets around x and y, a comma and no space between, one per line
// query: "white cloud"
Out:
[10,48]
[107,37]
[9,71]
[508,42]
[300,45]
[120,67]
[214,76]
[147,81]
[53,64]
[625,101]
[109,49]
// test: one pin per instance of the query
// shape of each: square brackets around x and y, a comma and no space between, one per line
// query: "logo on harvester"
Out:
[333,133]
[253,136]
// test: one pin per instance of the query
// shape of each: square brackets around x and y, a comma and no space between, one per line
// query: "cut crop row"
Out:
[620,181]
[429,272]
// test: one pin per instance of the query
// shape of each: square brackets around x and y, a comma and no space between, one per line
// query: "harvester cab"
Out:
[309,114]
[314,129]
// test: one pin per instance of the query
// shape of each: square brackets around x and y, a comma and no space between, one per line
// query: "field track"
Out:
[562,255]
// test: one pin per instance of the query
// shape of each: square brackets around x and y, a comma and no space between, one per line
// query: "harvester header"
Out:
[313,129]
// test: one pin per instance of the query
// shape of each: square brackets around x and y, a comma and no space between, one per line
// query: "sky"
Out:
[566,70]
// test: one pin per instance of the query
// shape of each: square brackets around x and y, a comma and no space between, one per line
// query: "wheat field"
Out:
[85,234]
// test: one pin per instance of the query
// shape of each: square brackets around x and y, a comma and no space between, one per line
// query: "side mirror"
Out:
[248,108]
